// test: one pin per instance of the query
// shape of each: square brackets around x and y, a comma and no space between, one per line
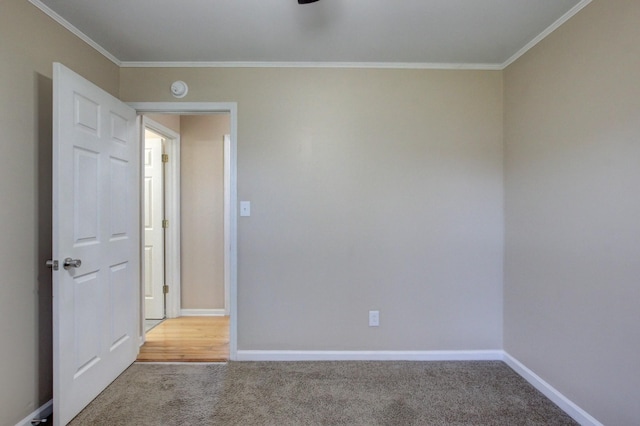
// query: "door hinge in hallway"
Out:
[165,223]
[165,289]
[165,158]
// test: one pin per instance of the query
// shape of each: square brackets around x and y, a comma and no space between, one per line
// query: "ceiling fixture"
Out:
[306,1]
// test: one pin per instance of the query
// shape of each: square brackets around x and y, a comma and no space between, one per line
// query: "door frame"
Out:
[231,249]
[227,220]
[172,213]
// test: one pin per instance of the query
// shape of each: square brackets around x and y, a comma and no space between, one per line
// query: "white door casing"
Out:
[96,165]
[232,247]
[172,214]
[227,224]
[153,230]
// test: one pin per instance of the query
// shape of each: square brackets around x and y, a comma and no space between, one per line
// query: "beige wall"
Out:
[30,42]
[202,210]
[572,134]
[370,189]
[170,121]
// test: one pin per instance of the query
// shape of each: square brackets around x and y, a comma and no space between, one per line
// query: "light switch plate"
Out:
[245,208]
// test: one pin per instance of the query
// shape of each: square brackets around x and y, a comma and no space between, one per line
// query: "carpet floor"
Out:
[322,393]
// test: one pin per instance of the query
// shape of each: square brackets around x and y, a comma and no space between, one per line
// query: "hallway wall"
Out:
[202,210]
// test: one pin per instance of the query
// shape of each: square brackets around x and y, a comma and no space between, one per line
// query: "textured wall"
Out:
[572,136]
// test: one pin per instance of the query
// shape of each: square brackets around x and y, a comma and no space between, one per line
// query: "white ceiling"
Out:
[465,33]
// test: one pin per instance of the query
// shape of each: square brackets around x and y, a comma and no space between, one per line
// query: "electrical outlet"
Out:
[374,318]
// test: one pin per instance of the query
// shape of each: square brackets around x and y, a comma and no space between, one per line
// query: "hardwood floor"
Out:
[187,339]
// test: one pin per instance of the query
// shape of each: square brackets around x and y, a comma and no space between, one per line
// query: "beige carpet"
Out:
[322,393]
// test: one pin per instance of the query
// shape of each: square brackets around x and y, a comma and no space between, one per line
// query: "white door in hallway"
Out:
[153,230]
[96,227]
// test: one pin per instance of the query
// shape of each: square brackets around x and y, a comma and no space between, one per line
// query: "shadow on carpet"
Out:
[322,393]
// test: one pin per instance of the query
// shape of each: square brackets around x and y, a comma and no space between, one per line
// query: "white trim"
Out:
[208,108]
[248,64]
[82,36]
[480,355]
[172,213]
[379,65]
[551,28]
[174,232]
[141,314]
[186,108]
[569,407]
[180,363]
[202,312]
[227,221]
[41,412]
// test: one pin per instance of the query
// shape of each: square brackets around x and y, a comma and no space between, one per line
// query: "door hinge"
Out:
[165,158]
[165,289]
[165,224]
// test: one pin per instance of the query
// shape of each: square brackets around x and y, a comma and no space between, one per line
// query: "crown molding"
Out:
[355,65]
[564,18]
[371,65]
[82,36]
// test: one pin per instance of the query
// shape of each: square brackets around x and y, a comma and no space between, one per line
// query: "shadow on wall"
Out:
[43,290]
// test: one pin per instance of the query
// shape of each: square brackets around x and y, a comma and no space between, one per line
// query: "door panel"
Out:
[153,230]
[95,219]
[85,181]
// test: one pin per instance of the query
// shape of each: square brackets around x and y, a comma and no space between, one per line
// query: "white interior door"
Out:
[153,230]
[96,221]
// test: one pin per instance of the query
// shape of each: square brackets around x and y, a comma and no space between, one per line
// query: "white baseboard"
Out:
[39,413]
[484,355]
[202,312]
[569,407]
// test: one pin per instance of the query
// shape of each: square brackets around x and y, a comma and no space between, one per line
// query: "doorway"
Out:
[200,330]
[157,180]
[186,309]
